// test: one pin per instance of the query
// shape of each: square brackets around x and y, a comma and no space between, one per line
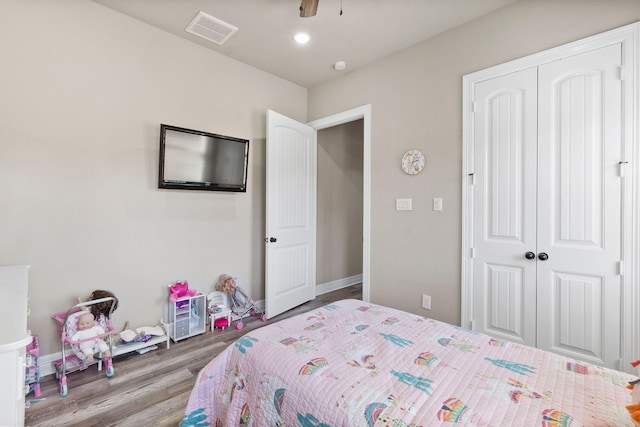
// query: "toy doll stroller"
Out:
[67,323]
[243,306]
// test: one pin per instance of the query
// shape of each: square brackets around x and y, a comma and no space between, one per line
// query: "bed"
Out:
[352,363]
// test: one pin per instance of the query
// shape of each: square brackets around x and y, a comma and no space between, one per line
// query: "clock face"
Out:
[413,162]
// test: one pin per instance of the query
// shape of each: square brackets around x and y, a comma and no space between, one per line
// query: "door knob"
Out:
[542,256]
[273,239]
[529,255]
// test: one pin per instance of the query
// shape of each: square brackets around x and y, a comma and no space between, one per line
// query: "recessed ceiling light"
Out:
[339,65]
[302,38]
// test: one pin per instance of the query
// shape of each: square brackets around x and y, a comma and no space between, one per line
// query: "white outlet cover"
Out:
[426,302]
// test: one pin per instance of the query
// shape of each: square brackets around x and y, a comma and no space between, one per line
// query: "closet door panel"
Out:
[504,207]
[577,295]
[579,206]
[578,159]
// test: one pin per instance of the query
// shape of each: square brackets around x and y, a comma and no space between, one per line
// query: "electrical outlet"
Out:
[426,302]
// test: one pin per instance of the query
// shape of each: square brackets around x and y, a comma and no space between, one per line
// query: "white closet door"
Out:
[504,207]
[547,206]
[579,206]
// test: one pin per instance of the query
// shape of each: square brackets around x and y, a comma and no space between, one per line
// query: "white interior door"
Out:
[504,206]
[580,206]
[290,243]
[546,232]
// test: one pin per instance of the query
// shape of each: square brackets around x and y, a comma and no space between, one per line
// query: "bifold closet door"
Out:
[547,206]
[579,205]
[504,206]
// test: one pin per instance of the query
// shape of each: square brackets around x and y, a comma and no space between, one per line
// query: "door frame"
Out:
[362,112]
[629,37]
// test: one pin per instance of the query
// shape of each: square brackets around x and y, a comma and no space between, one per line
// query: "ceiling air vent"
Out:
[210,28]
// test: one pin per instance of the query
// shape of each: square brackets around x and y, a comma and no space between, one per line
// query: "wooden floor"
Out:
[151,389]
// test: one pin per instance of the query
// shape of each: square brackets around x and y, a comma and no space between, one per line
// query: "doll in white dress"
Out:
[87,328]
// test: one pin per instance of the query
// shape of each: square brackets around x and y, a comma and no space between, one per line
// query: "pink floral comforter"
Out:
[352,363]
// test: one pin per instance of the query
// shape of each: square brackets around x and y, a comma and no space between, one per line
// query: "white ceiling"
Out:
[366,31]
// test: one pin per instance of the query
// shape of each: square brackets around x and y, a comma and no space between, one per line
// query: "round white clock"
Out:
[413,162]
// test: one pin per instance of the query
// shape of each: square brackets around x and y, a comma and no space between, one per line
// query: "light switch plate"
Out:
[403,204]
[437,204]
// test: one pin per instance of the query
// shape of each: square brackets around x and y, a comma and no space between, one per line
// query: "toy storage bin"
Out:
[32,368]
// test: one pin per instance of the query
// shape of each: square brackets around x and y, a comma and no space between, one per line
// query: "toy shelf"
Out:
[188,316]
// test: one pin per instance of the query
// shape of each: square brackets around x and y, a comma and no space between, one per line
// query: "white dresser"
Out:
[14,337]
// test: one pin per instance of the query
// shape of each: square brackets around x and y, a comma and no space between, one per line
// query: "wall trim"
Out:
[334,285]
[46,363]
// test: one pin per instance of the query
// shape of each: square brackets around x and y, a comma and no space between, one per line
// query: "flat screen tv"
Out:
[195,160]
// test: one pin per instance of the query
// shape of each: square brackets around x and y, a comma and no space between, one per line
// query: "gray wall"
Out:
[83,91]
[416,102]
[339,237]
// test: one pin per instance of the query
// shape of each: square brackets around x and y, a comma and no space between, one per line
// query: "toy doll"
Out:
[226,284]
[103,308]
[87,329]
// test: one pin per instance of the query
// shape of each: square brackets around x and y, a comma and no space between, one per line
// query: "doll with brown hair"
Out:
[87,329]
[101,308]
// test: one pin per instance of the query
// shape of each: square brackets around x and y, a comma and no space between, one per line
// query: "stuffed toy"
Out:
[179,290]
[634,408]
[226,284]
[88,329]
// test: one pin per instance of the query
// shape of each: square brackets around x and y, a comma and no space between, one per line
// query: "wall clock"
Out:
[413,162]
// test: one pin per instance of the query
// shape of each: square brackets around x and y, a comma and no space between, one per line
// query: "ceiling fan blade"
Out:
[308,8]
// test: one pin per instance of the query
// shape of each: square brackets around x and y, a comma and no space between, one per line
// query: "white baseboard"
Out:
[46,363]
[324,288]
[334,285]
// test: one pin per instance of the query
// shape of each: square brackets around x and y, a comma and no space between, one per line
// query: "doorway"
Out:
[362,114]
[290,217]
[339,207]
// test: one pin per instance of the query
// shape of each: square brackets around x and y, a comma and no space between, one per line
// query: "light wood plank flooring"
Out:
[151,389]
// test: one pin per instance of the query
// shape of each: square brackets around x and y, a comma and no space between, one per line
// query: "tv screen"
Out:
[195,160]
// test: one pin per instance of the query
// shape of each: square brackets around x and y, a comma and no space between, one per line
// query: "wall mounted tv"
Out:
[195,160]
